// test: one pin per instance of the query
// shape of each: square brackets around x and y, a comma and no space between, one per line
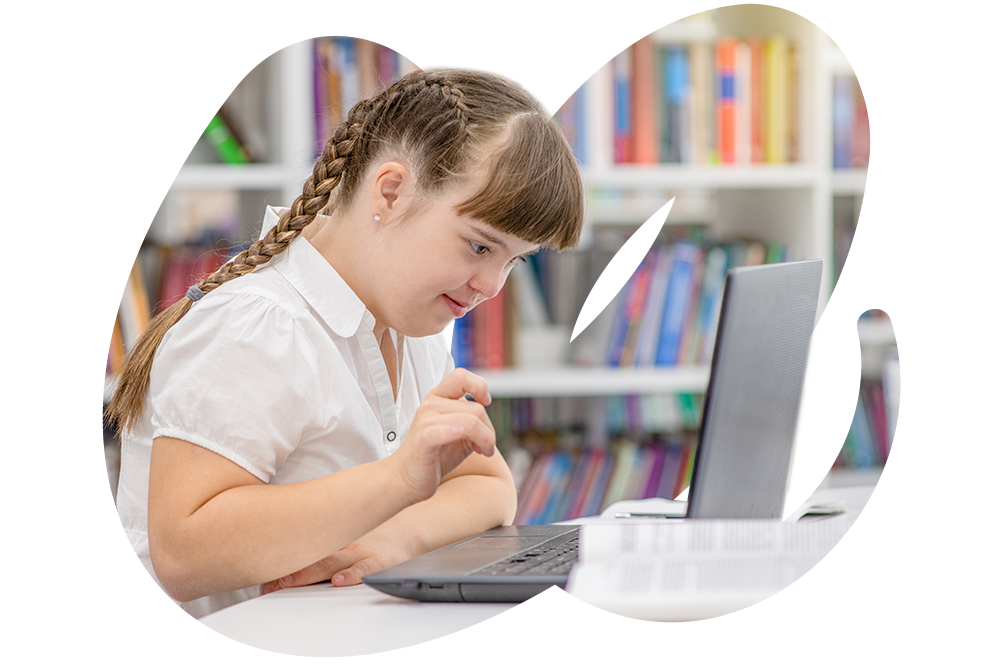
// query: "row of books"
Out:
[860,438]
[665,316]
[159,277]
[851,127]
[620,100]
[152,97]
[868,273]
[659,305]
[867,10]
[582,421]
[565,484]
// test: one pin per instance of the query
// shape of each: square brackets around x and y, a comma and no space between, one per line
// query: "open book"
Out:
[696,569]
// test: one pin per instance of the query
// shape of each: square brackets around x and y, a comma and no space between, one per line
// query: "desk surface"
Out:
[323,620]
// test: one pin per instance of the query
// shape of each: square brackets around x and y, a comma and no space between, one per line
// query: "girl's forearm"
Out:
[461,507]
[250,534]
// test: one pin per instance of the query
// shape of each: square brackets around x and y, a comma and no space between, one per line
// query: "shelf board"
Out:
[867,181]
[573,381]
[718,176]
[866,331]
[236,176]
[878,31]
[570,381]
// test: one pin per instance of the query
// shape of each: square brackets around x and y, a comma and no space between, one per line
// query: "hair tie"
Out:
[195,293]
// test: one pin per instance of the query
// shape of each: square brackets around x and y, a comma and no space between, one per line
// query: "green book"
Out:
[202,112]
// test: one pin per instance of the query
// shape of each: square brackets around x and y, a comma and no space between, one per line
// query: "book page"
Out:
[695,569]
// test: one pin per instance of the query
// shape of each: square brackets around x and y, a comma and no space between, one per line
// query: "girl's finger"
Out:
[461,382]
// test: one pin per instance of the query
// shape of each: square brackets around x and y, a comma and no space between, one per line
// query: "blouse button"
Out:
[391,436]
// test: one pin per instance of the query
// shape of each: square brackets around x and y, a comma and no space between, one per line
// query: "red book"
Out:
[725,60]
[645,98]
[860,150]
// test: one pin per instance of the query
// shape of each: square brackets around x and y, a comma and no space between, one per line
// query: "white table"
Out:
[323,620]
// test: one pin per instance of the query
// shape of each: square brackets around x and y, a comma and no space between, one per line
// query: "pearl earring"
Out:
[376,218]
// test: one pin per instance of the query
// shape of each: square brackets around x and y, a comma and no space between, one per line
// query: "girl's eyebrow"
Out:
[489,237]
[494,240]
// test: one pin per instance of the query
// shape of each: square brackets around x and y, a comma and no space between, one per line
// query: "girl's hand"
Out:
[374,551]
[445,430]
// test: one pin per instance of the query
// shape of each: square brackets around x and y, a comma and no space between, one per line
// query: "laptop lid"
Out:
[746,437]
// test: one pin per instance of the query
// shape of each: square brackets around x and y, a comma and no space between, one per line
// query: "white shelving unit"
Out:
[789,203]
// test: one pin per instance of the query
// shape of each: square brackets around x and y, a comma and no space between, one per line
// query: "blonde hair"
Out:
[448,123]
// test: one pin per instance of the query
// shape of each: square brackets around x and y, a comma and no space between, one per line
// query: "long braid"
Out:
[128,402]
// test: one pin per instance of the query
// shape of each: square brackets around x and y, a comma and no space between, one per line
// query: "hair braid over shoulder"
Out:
[129,396]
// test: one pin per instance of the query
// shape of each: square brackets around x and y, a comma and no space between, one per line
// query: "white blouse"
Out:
[280,372]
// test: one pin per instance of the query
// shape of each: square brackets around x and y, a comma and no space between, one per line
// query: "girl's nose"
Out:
[489,282]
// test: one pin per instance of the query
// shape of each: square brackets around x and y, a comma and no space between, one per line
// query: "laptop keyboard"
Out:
[554,557]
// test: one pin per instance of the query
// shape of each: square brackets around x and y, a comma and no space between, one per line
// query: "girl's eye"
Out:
[477,247]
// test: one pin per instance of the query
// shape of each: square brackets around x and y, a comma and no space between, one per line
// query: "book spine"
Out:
[675,308]
[776,111]
[623,107]
[219,135]
[725,56]
[645,97]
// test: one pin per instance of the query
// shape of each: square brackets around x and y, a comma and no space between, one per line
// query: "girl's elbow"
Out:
[174,575]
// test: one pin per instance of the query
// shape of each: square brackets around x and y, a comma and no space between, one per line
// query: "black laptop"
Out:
[741,466]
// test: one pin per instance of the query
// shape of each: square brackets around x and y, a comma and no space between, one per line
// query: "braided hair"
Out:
[447,123]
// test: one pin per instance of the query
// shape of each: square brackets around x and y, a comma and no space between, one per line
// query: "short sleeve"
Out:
[238,376]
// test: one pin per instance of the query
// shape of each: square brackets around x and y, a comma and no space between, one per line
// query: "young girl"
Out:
[304,423]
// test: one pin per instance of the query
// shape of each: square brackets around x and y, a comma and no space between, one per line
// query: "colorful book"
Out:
[645,98]
[725,60]
[679,139]
[776,108]
[623,106]
[679,291]
[219,134]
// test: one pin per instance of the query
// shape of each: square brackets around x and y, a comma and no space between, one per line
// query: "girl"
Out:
[304,422]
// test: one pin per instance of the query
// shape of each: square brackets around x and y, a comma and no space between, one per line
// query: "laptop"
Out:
[741,466]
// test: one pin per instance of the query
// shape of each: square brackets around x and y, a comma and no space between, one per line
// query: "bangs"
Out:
[533,190]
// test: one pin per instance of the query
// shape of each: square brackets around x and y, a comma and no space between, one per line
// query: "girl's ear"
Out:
[390,182]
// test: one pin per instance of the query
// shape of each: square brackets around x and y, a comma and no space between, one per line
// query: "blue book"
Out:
[677,87]
[623,106]
[843,114]
[620,327]
[709,303]
[675,309]
[559,479]
[864,454]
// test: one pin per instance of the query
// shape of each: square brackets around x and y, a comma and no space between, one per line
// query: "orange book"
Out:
[725,61]
[645,97]
[757,100]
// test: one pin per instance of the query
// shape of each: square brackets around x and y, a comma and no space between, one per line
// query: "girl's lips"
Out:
[457,308]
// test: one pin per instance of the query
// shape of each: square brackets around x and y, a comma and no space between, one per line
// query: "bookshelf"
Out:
[792,202]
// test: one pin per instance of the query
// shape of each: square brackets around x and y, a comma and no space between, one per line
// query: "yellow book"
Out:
[776,112]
